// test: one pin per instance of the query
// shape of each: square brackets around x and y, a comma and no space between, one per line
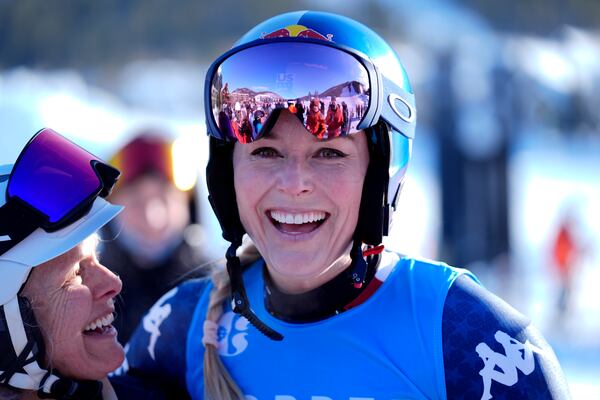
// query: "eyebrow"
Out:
[272,134]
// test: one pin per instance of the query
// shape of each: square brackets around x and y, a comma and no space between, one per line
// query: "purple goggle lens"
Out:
[328,90]
[57,178]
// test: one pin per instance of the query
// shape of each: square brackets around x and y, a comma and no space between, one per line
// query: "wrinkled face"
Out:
[298,199]
[155,210]
[72,298]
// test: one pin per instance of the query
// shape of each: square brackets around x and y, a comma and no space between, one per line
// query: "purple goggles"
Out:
[53,183]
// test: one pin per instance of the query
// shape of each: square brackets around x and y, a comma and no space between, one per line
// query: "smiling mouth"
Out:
[100,326]
[297,223]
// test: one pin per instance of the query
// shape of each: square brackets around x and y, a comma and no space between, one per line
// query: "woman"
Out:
[318,310]
[148,244]
[315,122]
[57,300]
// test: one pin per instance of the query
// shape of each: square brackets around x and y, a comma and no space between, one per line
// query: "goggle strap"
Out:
[15,224]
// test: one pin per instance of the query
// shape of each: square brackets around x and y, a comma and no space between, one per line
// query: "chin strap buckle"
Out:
[71,389]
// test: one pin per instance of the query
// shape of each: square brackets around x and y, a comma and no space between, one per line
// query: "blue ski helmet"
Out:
[387,109]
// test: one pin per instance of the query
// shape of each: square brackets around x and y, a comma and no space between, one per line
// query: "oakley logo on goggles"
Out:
[333,91]
[53,183]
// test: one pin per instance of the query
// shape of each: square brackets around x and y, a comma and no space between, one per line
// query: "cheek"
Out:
[247,195]
[341,181]
[65,313]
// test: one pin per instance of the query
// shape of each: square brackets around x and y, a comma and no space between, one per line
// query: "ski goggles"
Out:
[53,183]
[333,90]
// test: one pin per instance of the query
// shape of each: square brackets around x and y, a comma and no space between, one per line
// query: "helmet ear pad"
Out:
[221,189]
[373,214]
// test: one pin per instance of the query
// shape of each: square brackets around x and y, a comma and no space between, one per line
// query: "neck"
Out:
[26,395]
[317,304]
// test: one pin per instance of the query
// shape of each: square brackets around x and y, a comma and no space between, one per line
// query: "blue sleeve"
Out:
[491,351]
[155,356]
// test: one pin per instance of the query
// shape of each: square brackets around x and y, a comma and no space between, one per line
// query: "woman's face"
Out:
[155,210]
[72,298]
[298,199]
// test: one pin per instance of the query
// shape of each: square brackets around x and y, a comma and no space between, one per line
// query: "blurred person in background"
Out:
[57,340]
[567,253]
[155,241]
[313,306]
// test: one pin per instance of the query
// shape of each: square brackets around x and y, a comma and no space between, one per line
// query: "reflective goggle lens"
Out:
[56,177]
[327,88]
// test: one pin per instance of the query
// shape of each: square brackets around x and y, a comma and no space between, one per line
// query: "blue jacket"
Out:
[429,332]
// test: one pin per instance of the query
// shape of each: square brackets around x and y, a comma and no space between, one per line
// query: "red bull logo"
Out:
[296,31]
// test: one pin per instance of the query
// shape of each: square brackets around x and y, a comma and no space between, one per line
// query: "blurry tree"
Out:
[87,33]
[90,33]
[538,16]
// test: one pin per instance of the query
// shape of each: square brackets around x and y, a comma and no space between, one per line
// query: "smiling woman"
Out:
[56,298]
[299,199]
[72,298]
[312,306]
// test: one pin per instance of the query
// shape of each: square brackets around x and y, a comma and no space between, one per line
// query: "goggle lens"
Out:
[328,89]
[55,176]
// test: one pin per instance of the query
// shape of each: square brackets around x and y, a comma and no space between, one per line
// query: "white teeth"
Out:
[100,322]
[301,218]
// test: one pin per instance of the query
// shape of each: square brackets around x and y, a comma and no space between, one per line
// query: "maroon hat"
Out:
[146,154]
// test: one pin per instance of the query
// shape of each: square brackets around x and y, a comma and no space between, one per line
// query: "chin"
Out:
[93,368]
[114,363]
[295,266]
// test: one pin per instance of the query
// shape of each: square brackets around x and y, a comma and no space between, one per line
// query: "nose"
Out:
[103,283]
[156,213]
[295,177]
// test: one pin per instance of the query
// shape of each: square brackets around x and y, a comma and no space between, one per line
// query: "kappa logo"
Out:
[155,317]
[502,368]
[232,334]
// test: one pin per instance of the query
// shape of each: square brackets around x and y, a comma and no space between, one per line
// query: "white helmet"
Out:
[42,246]
[21,343]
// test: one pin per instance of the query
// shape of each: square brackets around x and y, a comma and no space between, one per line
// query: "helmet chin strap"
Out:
[359,271]
[239,300]
[25,371]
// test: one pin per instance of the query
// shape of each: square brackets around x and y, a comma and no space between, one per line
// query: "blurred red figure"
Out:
[566,253]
